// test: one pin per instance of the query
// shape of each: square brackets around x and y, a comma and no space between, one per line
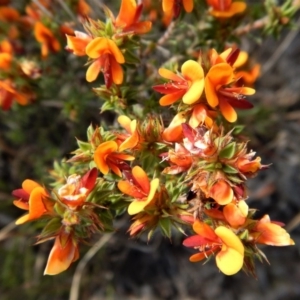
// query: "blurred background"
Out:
[32,136]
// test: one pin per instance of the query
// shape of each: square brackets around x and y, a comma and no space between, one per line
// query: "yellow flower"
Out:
[107,58]
[223,241]
[188,86]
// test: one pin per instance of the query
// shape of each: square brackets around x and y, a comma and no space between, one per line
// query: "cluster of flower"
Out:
[189,172]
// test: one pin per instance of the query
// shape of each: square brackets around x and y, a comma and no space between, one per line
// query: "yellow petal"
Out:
[229,261]
[230,239]
[192,70]
[116,52]
[93,71]
[194,92]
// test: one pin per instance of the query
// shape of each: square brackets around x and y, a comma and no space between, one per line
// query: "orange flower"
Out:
[128,17]
[236,214]
[107,58]
[63,253]
[173,7]
[34,198]
[217,80]
[226,8]
[201,115]
[76,190]
[8,93]
[46,38]
[230,256]
[108,157]
[266,232]
[189,86]
[130,140]
[173,133]
[139,187]
[180,159]
[246,165]
[221,192]
[77,44]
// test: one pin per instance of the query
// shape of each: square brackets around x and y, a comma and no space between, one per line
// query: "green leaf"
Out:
[51,228]
[84,146]
[228,152]
[229,169]
[165,226]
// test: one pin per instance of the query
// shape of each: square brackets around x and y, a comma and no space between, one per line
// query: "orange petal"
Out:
[116,52]
[235,8]
[93,71]
[171,98]
[204,230]
[228,111]
[126,14]
[117,71]
[101,153]
[167,5]
[234,215]
[129,189]
[29,185]
[77,44]
[221,192]
[60,258]
[142,179]
[188,5]
[165,73]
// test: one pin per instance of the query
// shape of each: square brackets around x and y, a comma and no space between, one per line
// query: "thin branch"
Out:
[280,50]
[67,10]
[42,8]
[74,291]
[5,230]
[260,23]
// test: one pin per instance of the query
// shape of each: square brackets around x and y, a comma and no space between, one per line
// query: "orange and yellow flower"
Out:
[132,138]
[223,241]
[106,58]
[174,133]
[226,8]
[236,214]
[128,18]
[63,253]
[139,187]
[108,157]
[34,198]
[221,192]
[219,93]
[268,233]
[76,190]
[46,38]
[188,86]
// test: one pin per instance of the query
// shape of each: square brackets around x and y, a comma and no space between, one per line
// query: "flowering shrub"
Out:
[177,160]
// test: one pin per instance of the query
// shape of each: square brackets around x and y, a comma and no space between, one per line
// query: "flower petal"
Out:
[165,73]
[60,258]
[93,71]
[221,192]
[227,110]
[142,179]
[171,98]
[229,261]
